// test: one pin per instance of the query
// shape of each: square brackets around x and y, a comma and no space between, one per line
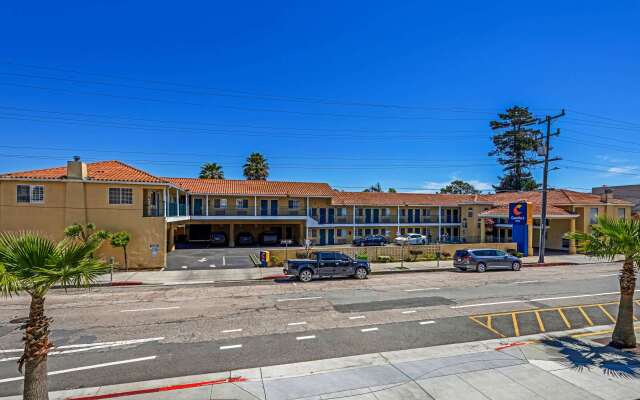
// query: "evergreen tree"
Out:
[459,187]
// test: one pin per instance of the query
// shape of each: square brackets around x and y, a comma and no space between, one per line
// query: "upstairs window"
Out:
[30,194]
[242,203]
[593,216]
[120,196]
[622,213]
[220,203]
[294,203]
[341,212]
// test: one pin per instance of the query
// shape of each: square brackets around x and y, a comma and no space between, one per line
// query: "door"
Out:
[417,214]
[410,217]
[331,239]
[326,264]
[501,258]
[274,207]
[288,233]
[323,216]
[323,236]
[197,206]
[344,265]
[264,207]
[376,215]
[367,216]
[331,212]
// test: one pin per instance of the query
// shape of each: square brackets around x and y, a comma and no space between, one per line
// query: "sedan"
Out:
[370,240]
[410,238]
[480,260]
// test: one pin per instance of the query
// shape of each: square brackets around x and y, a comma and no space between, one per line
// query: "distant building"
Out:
[630,193]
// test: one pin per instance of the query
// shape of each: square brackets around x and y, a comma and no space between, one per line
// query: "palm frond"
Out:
[24,252]
[611,237]
[9,283]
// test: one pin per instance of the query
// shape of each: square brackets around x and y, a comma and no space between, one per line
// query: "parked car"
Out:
[482,259]
[410,238]
[327,264]
[218,239]
[269,238]
[244,239]
[370,240]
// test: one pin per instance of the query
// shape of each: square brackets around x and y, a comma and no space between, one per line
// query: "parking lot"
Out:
[210,258]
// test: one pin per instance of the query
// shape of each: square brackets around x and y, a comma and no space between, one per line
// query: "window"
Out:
[359,231]
[470,213]
[621,213]
[360,212]
[341,212]
[120,196]
[593,216]
[242,203]
[500,253]
[294,203]
[339,233]
[403,212]
[313,233]
[30,194]
[220,203]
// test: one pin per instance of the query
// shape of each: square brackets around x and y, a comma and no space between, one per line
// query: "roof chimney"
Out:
[606,195]
[76,169]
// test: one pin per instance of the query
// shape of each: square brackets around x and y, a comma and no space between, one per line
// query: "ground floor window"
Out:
[339,233]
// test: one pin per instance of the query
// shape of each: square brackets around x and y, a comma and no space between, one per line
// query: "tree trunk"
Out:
[624,335]
[36,347]
[126,261]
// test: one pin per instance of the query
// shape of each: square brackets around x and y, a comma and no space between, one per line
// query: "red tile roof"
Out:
[98,171]
[552,211]
[399,199]
[251,188]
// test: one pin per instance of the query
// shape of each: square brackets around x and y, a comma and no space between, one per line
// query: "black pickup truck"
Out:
[327,264]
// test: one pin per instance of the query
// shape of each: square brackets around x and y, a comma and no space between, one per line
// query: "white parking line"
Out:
[151,309]
[64,371]
[368,330]
[232,330]
[421,289]
[306,337]
[409,312]
[233,346]
[358,317]
[300,298]
[427,322]
[297,323]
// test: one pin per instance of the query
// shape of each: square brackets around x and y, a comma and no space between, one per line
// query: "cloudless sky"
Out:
[345,92]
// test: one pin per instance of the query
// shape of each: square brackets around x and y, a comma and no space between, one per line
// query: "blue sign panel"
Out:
[518,213]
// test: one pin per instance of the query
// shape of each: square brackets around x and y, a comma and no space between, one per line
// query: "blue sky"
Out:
[349,93]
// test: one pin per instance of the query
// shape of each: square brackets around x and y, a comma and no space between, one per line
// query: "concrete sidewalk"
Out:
[185,277]
[552,367]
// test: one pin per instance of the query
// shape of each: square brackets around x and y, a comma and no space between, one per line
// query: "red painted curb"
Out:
[159,389]
[274,277]
[126,283]
[514,344]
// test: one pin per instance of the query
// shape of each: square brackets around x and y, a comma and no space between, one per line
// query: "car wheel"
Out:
[361,273]
[516,266]
[305,275]
[481,267]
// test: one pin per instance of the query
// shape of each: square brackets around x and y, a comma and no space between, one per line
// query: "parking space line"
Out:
[586,317]
[564,318]
[516,328]
[605,312]
[487,325]
[540,324]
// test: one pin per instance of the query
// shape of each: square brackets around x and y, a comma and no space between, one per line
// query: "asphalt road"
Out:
[201,329]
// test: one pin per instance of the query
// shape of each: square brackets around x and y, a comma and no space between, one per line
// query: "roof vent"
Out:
[77,169]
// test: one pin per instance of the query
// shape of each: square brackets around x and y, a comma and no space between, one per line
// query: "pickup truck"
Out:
[326,264]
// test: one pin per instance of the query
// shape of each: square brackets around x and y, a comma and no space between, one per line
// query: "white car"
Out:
[410,238]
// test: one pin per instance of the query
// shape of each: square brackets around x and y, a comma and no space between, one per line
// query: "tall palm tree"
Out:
[211,171]
[256,168]
[608,238]
[32,264]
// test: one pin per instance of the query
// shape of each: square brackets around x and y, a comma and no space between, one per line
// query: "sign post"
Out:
[520,219]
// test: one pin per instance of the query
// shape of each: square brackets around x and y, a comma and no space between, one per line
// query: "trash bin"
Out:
[265,257]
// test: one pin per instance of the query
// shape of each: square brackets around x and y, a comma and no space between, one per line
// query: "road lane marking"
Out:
[297,323]
[524,282]
[490,304]
[184,267]
[203,259]
[574,296]
[94,366]
[358,317]
[80,345]
[300,298]
[421,289]
[232,346]
[368,330]
[224,261]
[151,309]
[427,322]
[212,265]
[231,330]
[616,274]
[306,337]
[409,312]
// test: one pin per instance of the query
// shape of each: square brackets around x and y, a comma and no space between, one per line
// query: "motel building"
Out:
[162,212]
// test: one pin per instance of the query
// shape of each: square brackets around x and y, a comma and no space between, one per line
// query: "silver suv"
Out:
[481,259]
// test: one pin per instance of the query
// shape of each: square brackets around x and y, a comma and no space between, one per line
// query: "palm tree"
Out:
[32,264]
[211,171]
[608,238]
[256,168]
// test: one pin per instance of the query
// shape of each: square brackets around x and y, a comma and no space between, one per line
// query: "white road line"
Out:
[427,322]
[368,330]
[297,323]
[203,259]
[523,282]
[574,297]
[212,265]
[306,337]
[421,289]
[232,330]
[151,309]
[64,371]
[184,267]
[489,304]
[409,312]
[616,274]
[300,298]
[358,317]
[224,261]
[80,345]
[233,346]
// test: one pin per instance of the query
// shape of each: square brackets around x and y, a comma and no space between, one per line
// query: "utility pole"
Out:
[545,180]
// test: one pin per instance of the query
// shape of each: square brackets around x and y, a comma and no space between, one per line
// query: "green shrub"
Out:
[362,256]
[384,259]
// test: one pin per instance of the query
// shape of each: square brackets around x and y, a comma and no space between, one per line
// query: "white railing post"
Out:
[206,205]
